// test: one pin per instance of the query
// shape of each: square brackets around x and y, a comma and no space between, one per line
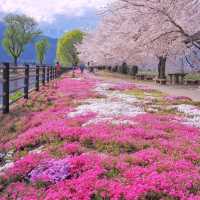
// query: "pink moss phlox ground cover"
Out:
[180,98]
[72,148]
[23,166]
[92,174]
[151,157]
[78,89]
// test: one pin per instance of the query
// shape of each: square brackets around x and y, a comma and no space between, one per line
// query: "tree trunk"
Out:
[15,64]
[161,67]
[15,61]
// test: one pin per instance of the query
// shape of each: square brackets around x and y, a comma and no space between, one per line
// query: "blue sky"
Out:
[57,16]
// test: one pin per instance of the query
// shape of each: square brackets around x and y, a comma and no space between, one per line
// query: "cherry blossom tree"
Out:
[171,22]
[134,31]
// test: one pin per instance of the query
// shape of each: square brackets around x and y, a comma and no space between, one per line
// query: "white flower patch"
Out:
[152,110]
[110,120]
[117,96]
[107,108]
[143,87]
[103,88]
[77,79]
[37,150]
[115,104]
[6,166]
[8,162]
[149,98]
[192,114]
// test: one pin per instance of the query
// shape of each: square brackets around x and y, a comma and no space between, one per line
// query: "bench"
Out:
[177,78]
[140,77]
[146,77]
[161,81]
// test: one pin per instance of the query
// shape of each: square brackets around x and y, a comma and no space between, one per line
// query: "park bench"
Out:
[145,77]
[161,81]
[140,77]
[149,77]
[177,78]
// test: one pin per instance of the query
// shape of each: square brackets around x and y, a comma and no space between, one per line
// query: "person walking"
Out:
[58,69]
[58,72]
[82,68]
[73,71]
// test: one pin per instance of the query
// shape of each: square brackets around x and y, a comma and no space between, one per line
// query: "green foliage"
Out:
[193,77]
[20,30]
[42,47]
[16,96]
[195,188]
[98,196]
[112,173]
[110,147]
[42,184]
[157,196]
[66,49]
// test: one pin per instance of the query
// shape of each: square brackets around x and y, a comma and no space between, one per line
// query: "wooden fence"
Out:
[31,76]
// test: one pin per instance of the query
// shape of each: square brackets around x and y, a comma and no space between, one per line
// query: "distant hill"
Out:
[29,54]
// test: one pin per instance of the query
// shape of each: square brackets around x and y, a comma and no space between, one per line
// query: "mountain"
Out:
[29,55]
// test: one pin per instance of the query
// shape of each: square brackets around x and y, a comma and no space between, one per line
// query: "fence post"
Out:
[37,83]
[54,73]
[43,74]
[51,75]
[6,82]
[47,74]
[26,82]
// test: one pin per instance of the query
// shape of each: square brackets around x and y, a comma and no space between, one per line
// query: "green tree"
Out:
[67,52]
[20,30]
[42,47]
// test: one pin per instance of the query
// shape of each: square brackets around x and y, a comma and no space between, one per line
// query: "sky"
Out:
[57,16]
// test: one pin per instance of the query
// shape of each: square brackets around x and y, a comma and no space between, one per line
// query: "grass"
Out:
[157,94]
[140,94]
[16,96]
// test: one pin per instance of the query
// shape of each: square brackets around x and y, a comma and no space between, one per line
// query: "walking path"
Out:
[102,139]
[192,92]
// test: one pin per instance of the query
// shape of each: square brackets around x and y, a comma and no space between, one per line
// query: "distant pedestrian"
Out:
[73,71]
[82,68]
[91,69]
[58,69]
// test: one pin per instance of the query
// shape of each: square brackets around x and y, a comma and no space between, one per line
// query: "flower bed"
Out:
[102,140]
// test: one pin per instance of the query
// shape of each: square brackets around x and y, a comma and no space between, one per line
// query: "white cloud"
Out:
[46,10]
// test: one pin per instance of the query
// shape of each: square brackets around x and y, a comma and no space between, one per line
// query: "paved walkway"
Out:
[188,91]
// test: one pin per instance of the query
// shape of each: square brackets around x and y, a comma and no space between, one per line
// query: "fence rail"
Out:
[26,74]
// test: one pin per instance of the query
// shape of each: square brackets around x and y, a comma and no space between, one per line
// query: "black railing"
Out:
[30,77]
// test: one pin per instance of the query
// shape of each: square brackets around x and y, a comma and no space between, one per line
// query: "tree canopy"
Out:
[67,53]
[42,47]
[20,30]
[141,31]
